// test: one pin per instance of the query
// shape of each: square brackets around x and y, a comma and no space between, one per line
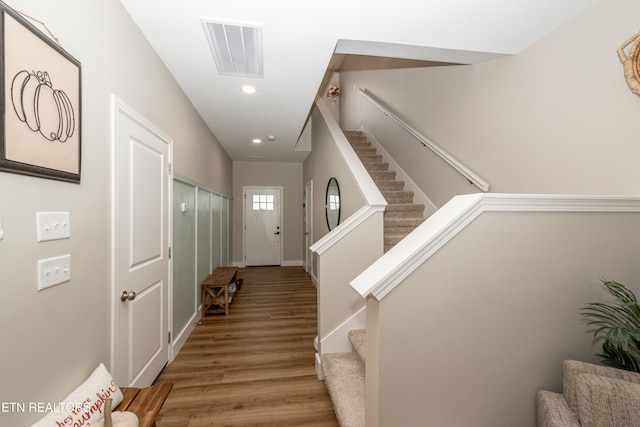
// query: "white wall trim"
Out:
[319,371]
[178,341]
[345,227]
[337,341]
[366,185]
[399,262]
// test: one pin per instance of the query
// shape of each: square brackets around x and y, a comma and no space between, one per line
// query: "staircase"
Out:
[344,375]
[401,215]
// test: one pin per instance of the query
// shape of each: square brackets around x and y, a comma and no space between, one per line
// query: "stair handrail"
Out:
[424,241]
[426,142]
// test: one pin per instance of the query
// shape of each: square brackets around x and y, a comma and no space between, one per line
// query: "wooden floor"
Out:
[254,367]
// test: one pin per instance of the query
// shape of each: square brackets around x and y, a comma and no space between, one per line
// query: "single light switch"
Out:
[53,226]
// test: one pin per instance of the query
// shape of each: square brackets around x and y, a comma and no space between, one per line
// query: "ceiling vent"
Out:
[237,47]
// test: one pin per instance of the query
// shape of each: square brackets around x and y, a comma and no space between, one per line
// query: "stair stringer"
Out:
[337,341]
[409,185]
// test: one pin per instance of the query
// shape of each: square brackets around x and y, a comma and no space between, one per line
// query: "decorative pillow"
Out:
[84,405]
[607,402]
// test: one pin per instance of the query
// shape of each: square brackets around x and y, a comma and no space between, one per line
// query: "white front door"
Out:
[263,228]
[142,156]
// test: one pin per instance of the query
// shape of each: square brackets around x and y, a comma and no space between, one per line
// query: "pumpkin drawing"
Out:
[43,108]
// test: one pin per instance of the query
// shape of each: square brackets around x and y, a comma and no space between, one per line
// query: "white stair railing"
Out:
[426,142]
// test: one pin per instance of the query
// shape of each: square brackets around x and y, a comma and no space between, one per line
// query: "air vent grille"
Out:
[237,48]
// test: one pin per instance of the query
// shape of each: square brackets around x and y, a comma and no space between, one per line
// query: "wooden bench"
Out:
[215,290]
[144,402]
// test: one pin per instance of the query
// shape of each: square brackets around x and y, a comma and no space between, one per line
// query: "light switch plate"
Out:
[53,271]
[53,226]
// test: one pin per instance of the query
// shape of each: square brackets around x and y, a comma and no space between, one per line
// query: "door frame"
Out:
[308,227]
[120,107]
[244,218]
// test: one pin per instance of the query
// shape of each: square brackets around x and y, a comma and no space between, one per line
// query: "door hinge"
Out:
[169,337]
[169,252]
[169,168]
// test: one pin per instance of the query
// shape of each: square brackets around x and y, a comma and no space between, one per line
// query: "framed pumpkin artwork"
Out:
[40,93]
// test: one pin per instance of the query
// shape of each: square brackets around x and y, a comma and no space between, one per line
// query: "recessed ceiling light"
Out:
[249,89]
[256,140]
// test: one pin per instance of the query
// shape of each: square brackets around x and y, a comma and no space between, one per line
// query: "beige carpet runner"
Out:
[401,215]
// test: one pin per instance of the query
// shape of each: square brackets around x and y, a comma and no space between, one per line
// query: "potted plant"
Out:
[619,323]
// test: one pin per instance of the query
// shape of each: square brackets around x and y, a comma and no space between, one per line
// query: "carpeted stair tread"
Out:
[390,186]
[370,157]
[344,378]
[357,340]
[383,175]
[364,150]
[376,166]
[401,215]
[404,211]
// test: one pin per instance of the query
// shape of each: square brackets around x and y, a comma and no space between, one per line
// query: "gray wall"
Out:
[556,118]
[52,340]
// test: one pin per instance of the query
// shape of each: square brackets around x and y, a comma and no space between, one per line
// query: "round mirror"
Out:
[332,204]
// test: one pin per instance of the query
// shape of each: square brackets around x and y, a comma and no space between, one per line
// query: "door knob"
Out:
[127,296]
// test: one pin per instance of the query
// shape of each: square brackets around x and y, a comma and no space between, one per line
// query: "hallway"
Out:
[256,366]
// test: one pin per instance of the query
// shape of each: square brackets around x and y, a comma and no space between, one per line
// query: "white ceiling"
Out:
[299,41]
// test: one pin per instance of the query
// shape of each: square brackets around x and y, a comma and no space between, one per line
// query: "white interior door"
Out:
[263,231]
[141,240]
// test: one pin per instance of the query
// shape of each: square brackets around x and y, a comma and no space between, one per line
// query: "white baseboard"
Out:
[178,341]
[319,371]
[337,341]
[289,263]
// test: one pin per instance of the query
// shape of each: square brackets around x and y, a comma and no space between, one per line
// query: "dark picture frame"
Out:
[40,96]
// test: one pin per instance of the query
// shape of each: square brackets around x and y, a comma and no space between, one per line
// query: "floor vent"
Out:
[236,47]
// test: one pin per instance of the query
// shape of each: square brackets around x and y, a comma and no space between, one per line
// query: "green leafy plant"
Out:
[619,323]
